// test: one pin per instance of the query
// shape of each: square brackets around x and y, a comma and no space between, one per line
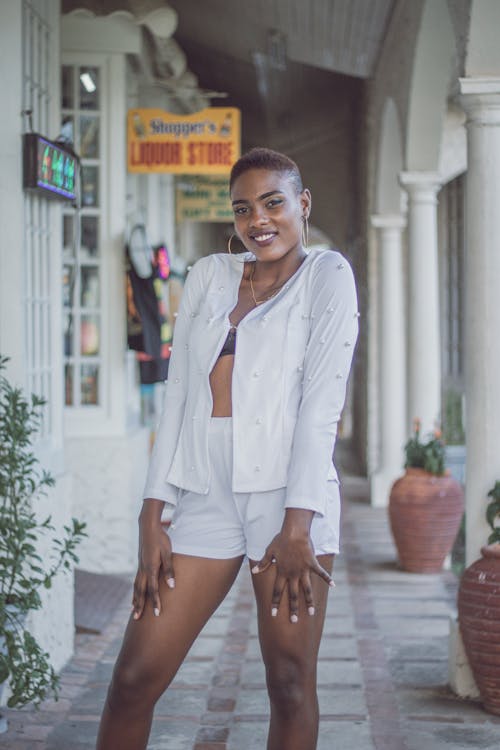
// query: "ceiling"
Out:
[342,36]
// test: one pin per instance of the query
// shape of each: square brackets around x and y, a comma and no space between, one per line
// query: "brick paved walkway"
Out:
[382,672]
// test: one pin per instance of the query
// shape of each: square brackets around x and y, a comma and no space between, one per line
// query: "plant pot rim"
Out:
[491,550]
[417,470]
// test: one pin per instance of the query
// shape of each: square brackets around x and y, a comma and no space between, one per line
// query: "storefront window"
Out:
[68,236]
[90,187]
[68,379]
[67,87]
[90,287]
[89,137]
[89,239]
[82,283]
[89,385]
[89,88]
[89,335]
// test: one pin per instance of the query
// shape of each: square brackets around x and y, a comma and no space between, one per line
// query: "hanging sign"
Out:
[49,169]
[203,198]
[206,142]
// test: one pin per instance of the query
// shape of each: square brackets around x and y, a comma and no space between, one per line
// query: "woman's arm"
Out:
[155,552]
[327,362]
[169,427]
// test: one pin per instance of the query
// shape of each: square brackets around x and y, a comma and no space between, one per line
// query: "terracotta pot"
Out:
[479,620]
[425,513]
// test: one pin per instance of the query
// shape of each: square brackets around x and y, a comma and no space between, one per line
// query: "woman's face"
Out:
[269,213]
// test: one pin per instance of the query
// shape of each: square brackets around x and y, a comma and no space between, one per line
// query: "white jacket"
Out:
[293,356]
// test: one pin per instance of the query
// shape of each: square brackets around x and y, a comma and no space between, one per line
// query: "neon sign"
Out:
[49,169]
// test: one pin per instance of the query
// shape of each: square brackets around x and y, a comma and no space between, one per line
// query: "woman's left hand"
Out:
[292,552]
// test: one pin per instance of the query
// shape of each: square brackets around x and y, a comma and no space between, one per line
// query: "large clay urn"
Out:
[479,620]
[425,511]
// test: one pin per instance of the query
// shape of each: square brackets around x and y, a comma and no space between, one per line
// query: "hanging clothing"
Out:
[149,332]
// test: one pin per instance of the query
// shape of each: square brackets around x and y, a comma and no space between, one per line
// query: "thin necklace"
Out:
[260,302]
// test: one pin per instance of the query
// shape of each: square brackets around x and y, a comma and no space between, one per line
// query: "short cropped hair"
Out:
[266,158]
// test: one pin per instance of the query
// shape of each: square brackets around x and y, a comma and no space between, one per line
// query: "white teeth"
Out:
[263,237]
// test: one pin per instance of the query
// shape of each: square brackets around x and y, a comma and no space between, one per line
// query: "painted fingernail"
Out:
[294,618]
[274,611]
[311,610]
[255,569]
[332,584]
[171,583]
[156,612]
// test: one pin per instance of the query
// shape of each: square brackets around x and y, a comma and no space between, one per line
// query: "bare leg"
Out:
[154,648]
[290,652]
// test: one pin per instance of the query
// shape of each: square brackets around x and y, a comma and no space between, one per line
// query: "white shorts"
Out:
[225,524]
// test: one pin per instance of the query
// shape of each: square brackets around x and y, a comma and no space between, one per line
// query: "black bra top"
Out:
[230,343]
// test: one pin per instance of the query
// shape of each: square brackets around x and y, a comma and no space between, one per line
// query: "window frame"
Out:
[81,418]
[109,419]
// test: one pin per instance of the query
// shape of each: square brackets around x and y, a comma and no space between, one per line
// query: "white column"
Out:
[481,100]
[424,348]
[392,357]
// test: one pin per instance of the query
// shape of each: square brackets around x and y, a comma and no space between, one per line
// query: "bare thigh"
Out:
[154,647]
[279,638]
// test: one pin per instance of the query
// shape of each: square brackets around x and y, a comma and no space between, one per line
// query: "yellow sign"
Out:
[203,199]
[206,142]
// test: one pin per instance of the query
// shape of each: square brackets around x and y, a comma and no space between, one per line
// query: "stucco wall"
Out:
[53,626]
[108,478]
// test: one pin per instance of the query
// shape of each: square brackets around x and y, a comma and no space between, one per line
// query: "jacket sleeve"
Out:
[169,427]
[327,362]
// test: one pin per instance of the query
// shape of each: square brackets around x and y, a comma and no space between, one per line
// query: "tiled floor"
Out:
[382,672]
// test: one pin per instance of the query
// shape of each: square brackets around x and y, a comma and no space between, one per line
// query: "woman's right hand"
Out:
[155,559]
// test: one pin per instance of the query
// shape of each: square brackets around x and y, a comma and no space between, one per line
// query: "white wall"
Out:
[482,48]
[53,624]
[109,475]
[11,195]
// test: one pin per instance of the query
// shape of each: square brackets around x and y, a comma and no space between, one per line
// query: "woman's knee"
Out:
[290,684]
[132,687]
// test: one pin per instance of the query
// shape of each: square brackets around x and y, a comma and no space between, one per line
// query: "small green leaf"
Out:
[4,670]
[495,491]
[492,511]
[494,536]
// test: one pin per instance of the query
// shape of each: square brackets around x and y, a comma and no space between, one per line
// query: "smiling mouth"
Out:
[264,237]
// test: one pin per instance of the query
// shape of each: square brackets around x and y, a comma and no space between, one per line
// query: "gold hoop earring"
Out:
[229,244]
[305,231]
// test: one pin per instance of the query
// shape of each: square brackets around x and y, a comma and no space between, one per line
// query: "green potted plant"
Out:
[24,666]
[479,610]
[493,514]
[425,505]
[454,433]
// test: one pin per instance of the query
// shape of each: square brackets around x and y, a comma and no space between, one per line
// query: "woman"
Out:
[262,349]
